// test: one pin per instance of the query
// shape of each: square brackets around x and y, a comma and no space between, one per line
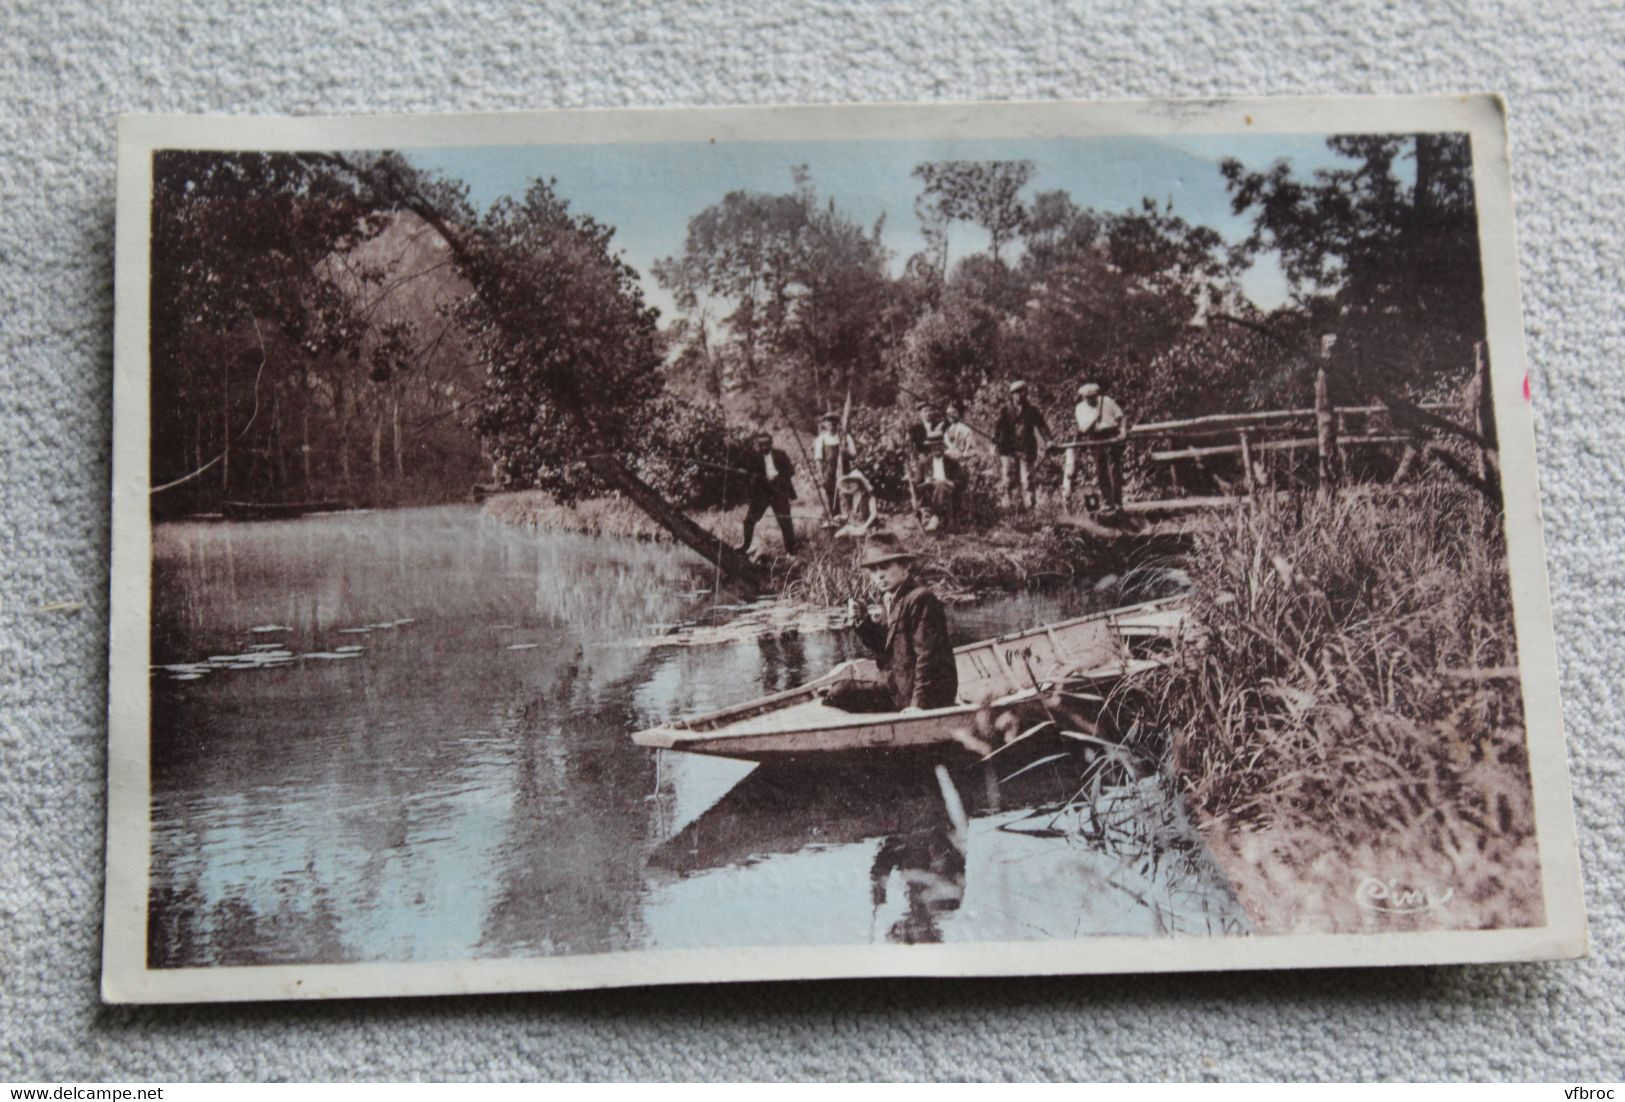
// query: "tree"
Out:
[986,193]
[1393,270]
[784,298]
[571,351]
[236,312]
[574,393]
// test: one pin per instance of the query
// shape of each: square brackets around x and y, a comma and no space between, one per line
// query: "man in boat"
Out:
[1100,422]
[770,488]
[911,647]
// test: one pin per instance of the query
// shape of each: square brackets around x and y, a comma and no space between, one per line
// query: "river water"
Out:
[403,736]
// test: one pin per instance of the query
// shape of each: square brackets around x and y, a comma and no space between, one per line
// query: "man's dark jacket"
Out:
[765,489]
[1017,430]
[912,648]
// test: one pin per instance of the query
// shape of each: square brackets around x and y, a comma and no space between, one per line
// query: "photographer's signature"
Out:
[1392,897]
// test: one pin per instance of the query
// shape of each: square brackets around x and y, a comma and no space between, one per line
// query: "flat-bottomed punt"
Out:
[1089,654]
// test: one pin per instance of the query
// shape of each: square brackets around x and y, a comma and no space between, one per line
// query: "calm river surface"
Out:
[403,735]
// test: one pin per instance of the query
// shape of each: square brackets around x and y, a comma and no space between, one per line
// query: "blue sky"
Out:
[649,191]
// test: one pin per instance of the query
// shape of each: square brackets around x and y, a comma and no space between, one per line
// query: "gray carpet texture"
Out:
[68,68]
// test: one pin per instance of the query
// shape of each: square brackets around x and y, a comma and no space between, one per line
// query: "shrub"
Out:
[1354,703]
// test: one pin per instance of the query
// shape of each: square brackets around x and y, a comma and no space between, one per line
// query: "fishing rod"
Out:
[973,426]
[818,490]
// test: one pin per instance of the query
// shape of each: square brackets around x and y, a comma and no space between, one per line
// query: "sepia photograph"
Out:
[628,547]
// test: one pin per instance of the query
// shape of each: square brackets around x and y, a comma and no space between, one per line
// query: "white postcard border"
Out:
[125,975]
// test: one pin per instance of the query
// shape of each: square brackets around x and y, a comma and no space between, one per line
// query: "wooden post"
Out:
[733,563]
[1326,434]
[1246,463]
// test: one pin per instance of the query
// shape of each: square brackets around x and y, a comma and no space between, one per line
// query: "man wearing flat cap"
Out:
[941,479]
[770,487]
[1018,436]
[1100,422]
[834,453]
[911,647]
[927,420]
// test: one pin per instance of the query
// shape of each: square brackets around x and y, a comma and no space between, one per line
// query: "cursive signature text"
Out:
[1392,897]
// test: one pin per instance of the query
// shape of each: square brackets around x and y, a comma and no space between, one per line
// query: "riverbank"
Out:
[1349,737]
[1022,552]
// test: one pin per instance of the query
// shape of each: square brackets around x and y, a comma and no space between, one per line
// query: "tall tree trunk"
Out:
[279,453]
[395,431]
[341,417]
[225,429]
[378,450]
[733,563]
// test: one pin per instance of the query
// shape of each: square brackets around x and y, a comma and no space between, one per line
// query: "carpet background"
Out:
[67,68]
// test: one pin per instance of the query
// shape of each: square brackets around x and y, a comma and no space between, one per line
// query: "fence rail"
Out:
[1322,428]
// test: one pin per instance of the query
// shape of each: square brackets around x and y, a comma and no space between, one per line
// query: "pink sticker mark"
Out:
[1526,386]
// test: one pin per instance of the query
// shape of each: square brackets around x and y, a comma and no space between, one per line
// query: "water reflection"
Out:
[465,786]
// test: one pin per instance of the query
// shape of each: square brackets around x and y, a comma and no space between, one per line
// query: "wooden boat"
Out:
[1088,654]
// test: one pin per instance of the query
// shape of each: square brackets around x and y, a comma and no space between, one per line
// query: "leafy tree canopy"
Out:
[1389,265]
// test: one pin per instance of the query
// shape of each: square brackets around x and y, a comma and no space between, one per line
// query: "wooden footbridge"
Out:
[1242,454]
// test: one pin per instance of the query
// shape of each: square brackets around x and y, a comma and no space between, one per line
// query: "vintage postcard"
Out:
[606,548]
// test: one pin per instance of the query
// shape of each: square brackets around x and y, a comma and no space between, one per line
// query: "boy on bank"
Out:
[911,647]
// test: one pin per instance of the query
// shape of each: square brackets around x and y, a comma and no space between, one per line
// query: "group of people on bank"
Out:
[942,448]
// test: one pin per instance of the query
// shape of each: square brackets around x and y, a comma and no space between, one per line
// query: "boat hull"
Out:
[861,736]
[1007,675]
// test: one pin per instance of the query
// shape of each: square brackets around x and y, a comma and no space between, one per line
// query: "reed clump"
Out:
[1348,730]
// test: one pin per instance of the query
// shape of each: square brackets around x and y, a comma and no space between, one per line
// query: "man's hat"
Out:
[924,403]
[830,417]
[855,476]
[763,435]
[882,549]
[1088,390]
[1017,386]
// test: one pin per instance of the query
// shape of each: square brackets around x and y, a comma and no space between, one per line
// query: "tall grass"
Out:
[1350,727]
[610,516]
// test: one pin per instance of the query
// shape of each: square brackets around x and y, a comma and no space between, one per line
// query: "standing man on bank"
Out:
[1100,422]
[912,647]
[1019,435]
[770,487]
[834,453]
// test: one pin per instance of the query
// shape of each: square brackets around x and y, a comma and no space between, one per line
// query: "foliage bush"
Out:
[1352,708]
